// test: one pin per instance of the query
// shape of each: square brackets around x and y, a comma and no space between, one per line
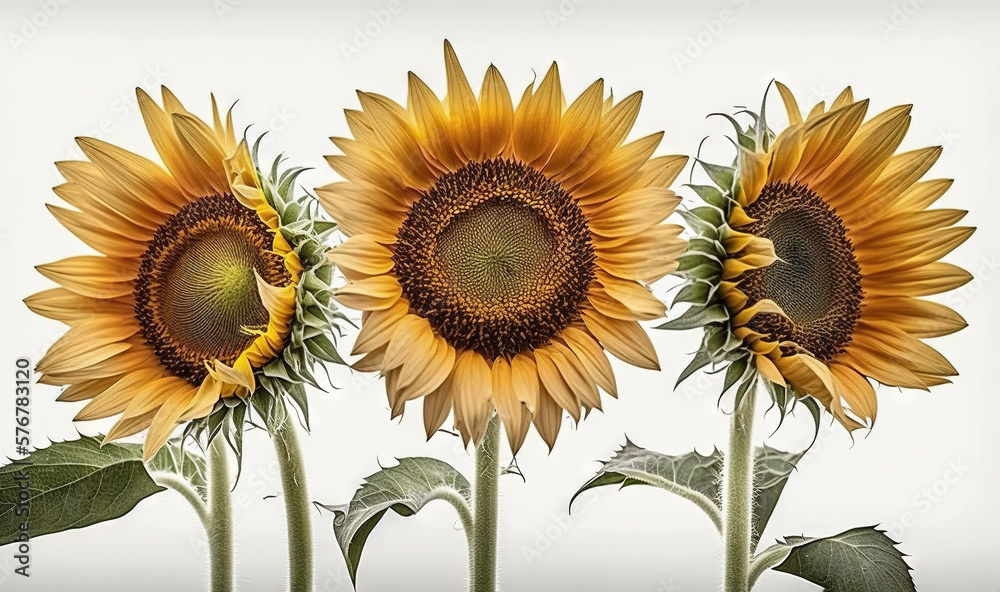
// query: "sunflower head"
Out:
[209,286]
[813,252]
[497,251]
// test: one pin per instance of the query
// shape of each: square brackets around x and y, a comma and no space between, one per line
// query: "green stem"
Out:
[699,499]
[461,507]
[483,576]
[737,496]
[181,486]
[764,561]
[220,518]
[297,506]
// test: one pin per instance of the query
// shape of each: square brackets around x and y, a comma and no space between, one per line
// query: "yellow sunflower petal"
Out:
[579,123]
[625,339]
[463,109]
[432,122]
[513,414]
[360,256]
[375,293]
[547,418]
[437,407]
[791,106]
[496,112]
[92,276]
[472,396]
[593,358]
[536,122]
[551,378]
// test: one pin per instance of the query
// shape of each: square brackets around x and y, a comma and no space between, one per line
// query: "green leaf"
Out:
[174,458]
[771,471]
[404,489]
[697,477]
[70,485]
[693,476]
[859,560]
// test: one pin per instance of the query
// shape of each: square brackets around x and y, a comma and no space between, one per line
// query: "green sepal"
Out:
[701,226]
[742,137]
[693,260]
[743,388]
[723,176]
[707,246]
[314,327]
[711,214]
[698,361]
[697,316]
[696,292]
[711,195]
[738,371]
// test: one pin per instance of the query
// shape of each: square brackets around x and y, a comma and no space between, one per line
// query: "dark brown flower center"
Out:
[497,257]
[817,281]
[196,295]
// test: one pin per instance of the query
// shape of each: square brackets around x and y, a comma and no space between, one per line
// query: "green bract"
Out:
[315,327]
[701,267]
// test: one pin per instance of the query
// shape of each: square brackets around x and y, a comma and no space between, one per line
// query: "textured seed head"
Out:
[817,282]
[497,257]
[196,295]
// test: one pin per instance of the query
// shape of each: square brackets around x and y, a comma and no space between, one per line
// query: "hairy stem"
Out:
[483,576]
[737,496]
[297,506]
[187,491]
[220,517]
[764,561]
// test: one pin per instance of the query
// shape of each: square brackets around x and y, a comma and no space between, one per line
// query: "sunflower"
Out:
[497,252]
[815,253]
[195,286]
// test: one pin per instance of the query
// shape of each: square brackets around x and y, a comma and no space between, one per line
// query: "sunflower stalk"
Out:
[765,560]
[297,505]
[483,568]
[220,518]
[737,496]
[187,491]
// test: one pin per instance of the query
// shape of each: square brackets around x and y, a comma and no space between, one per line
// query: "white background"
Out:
[928,471]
